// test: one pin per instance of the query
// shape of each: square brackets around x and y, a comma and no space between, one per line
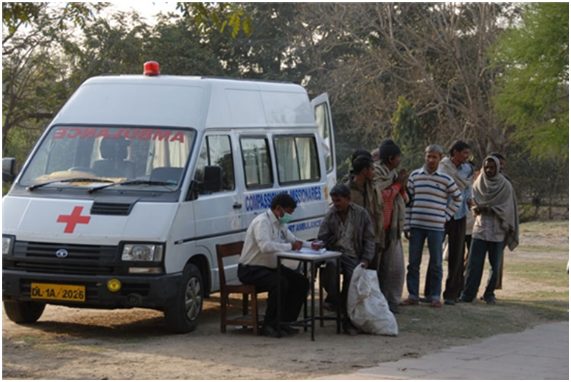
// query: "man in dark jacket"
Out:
[346,228]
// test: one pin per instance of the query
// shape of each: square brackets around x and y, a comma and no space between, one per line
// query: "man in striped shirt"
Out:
[434,199]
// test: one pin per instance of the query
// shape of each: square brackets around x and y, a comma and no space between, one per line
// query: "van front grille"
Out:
[72,259]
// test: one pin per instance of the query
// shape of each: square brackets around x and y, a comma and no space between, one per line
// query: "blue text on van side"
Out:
[264,200]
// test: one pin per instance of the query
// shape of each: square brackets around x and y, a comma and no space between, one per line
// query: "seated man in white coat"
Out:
[268,235]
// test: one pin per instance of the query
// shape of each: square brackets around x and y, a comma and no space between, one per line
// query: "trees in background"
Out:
[533,92]
[35,72]
[418,72]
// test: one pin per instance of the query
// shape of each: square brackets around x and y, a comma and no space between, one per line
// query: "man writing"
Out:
[268,235]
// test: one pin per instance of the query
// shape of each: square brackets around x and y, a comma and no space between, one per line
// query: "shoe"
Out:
[329,307]
[270,331]
[394,308]
[464,300]
[409,301]
[490,300]
[349,329]
[448,301]
[436,304]
[289,330]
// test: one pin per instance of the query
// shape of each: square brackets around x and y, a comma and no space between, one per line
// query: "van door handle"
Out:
[237,205]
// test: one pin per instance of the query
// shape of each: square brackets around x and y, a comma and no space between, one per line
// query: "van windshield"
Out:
[146,158]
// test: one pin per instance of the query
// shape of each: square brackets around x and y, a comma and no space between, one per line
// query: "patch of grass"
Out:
[477,320]
[550,273]
[542,248]
[542,226]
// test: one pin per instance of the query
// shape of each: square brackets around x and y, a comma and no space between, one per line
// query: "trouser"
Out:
[456,231]
[391,270]
[468,241]
[416,243]
[478,250]
[329,283]
[500,274]
[294,288]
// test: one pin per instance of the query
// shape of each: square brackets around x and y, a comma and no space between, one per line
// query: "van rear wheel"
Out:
[24,312]
[182,315]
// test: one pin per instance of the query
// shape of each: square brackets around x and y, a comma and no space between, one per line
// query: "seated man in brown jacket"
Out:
[346,228]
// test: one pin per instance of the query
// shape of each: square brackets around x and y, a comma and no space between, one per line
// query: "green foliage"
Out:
[221,16]
[408,134]
[15,14]
[181,49]
[533,93]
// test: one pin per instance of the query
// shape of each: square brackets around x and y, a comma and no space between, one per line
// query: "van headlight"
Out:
[7,242]
[143,252]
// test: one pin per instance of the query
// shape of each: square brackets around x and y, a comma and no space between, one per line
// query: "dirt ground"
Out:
[69,343]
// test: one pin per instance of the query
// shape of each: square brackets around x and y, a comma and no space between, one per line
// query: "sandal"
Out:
[409,301]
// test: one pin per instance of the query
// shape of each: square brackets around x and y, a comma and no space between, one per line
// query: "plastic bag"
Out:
[366,305]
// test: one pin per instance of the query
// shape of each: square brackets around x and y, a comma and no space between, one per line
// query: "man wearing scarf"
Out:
[455,165]
[390,185]
[496,226]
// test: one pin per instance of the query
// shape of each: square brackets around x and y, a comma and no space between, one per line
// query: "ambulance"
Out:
[122,201]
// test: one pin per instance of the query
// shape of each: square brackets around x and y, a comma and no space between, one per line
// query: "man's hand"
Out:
[364,263]
[407,235]
[296,245]
[402,177]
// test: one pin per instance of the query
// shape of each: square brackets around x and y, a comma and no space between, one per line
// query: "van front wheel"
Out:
[24,312]
[182,315]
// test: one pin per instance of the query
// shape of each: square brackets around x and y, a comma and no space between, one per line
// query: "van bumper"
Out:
[154,292]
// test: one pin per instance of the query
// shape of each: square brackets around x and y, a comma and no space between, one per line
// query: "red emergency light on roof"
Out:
[151,68]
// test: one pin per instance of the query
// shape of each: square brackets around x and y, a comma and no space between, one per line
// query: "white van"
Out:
[125,196]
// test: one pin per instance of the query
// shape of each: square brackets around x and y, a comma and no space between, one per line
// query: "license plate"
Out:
[57,292]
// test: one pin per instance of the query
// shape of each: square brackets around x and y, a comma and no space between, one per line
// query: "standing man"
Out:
[266,236]
[502,169]
[496,226]
[347,228]
[391,187]
[365,195]
[457,168]
[434,199]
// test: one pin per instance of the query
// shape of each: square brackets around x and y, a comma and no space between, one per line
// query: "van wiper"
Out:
[69,180]
[133,183]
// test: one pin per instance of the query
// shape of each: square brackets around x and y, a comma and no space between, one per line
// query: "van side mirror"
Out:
[8,169]
[212,179]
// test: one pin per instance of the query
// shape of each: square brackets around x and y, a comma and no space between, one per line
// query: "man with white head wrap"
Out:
[496,226]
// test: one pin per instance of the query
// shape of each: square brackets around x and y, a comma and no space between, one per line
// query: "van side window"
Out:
[297,159]
[216,151]
[257,163]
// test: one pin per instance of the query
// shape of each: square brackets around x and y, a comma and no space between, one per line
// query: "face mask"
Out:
[286,218]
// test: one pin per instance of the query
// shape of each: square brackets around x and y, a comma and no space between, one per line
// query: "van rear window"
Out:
[297,159]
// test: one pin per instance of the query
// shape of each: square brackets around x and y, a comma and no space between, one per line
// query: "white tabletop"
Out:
[296,255]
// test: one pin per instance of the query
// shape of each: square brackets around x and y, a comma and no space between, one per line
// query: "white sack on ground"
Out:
[366,305]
